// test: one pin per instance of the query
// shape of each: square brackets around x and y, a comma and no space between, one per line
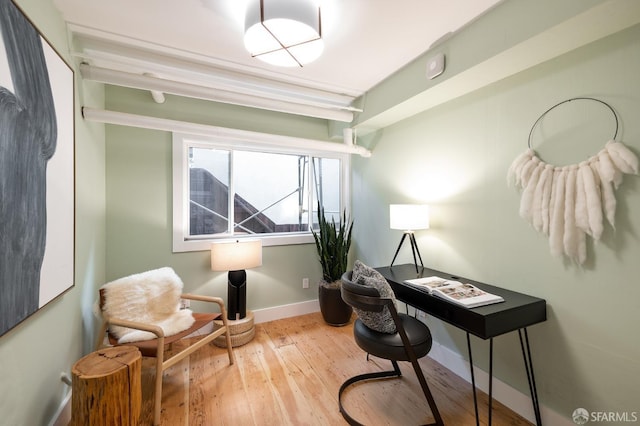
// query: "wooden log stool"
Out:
[106,387]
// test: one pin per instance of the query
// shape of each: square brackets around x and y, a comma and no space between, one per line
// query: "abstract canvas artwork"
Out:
[37,200]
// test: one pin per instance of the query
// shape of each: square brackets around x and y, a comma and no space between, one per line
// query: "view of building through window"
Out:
[272,193]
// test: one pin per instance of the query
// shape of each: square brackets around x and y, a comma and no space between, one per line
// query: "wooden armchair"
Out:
[143,310]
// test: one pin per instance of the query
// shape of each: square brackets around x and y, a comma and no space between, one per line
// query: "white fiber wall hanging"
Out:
[571,202]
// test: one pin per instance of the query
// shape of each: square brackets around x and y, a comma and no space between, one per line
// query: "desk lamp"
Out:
[235,256]
[409,218]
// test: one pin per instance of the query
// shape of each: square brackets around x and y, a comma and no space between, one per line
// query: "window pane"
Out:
[269,192]
[208,191]
[326,175]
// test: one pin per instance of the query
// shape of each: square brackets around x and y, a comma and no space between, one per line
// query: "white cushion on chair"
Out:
[151,297]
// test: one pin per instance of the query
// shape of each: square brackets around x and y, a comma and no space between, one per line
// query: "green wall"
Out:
[35,353]
[456,156]
[139,201]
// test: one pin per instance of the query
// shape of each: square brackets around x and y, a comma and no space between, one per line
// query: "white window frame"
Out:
[182,241]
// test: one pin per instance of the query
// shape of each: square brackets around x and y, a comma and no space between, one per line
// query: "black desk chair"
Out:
[411,341]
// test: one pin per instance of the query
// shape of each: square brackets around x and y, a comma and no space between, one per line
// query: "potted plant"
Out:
[332,243]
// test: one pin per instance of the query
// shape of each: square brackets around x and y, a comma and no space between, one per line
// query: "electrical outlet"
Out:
[185,303]
[305,283]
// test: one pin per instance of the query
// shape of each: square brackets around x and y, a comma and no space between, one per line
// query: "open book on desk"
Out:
[463,294]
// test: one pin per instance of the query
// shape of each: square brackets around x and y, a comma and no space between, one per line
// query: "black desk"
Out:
[517,312]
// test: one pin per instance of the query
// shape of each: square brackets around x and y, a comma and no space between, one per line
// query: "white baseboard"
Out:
[286,311]
[272,314]
[510,397]
[63,414]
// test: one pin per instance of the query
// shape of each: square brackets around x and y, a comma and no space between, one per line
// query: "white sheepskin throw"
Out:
[151,297]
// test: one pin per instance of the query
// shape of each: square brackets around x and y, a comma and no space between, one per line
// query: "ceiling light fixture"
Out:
[285,33]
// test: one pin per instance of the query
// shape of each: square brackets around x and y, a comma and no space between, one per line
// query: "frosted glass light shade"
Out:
[283,32]
[409,217]
[236,255]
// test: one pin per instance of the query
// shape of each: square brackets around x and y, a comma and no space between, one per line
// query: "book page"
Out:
[462,291]
[467,295]
[429,283]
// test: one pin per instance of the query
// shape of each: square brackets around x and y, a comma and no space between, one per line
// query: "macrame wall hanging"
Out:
[570,202]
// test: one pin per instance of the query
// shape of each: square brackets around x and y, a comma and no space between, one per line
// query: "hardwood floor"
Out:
[290,375]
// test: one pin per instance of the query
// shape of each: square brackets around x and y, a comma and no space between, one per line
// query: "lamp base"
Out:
[241,331]
[414,249]
[237,295]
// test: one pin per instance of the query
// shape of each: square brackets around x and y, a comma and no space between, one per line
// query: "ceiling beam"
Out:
[152,83]
[239,137]
[469,70]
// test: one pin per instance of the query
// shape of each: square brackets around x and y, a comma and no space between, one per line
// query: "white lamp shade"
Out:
[235,255]
[283,30]
[409,217]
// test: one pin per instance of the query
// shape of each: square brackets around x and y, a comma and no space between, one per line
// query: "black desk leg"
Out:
[473,380]
[528,365]
[490,379]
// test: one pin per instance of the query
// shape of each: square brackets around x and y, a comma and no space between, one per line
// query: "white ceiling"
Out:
[365,40]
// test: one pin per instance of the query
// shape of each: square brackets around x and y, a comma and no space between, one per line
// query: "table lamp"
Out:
[235,256]
[409,218]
